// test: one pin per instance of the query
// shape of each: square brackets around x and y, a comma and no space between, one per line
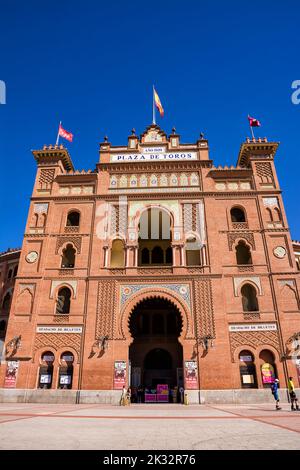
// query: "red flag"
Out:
[66,135]
[253,122]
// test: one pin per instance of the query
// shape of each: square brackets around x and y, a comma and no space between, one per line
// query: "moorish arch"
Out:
[155,326]
[187,331]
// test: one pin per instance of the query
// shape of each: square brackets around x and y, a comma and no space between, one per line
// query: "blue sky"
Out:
[91,64]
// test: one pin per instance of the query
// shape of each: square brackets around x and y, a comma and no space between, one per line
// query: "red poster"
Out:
[191,375]
[11,374]
[119,375]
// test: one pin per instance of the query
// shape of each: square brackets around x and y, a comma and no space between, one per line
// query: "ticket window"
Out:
[247,370]
[46,370]
[66,371]
[267,368]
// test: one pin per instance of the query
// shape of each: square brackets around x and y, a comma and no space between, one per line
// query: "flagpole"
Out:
[153,108]
[251,128]
[57,138]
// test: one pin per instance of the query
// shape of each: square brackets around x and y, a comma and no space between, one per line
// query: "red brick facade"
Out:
[228,268]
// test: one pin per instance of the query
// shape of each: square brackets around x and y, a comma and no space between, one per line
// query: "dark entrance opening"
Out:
[156,356]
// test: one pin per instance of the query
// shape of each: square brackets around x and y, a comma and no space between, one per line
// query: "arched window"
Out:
[6,301]
[249,298]
[277,215]
[157,255]
[35,219]
[63,302]
[267,367]
[237,215]
[10,273]
[169,255]
[155,235]
[192,251]
[73,219]
[66,370]
[243,253]
[247,370]
[269,215]
[46,370]
[117,259]
[68,257]
[43,220]
[145,256]
[15,271]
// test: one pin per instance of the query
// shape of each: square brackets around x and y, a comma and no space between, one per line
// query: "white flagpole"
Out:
[57,138]
[251,128]
[153,110]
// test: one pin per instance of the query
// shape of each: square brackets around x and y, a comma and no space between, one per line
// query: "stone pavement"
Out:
[150,427]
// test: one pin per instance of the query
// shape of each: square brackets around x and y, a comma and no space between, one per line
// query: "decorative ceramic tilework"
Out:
[183,290]
[41,208]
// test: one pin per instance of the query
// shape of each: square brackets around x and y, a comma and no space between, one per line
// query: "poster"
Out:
[267,371]
[11,374]
[119,375]
[191,375]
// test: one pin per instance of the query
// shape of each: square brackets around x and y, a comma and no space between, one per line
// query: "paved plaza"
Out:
[151,427]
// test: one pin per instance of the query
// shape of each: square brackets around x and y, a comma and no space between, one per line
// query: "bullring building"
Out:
[157,270]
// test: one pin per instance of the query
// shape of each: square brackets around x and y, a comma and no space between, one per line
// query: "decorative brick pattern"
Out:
[71,229]
[46,178]
[58,341]
[203,308]
[123,211]
[61,318]
[253,339]
[264,172]
[155,271]
[105,323]
[188,217]
[76,241]
[239,225]
[233,236]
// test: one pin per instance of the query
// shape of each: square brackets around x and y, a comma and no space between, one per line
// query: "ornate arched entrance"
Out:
[155,354]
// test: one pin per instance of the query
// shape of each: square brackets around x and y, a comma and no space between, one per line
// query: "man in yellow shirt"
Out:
[294,400]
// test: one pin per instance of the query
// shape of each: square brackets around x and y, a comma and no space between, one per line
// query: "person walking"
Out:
[128,396]
[123,397]
[293,396]
[274,390]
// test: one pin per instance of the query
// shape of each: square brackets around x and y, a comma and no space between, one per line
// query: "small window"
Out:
[277,215]
[73,219]
[68,257]
[63,302]
[15,271]
[117,259]
[247,370]
[169,255]
[157,255]
[243,254]
[145,256]
[249,298]
[237,215]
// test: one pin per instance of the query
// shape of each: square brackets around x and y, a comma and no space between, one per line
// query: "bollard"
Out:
[186,399]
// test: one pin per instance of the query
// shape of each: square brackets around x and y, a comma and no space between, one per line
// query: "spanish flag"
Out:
[158,103]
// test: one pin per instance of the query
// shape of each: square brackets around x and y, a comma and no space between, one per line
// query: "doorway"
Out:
[155,355]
